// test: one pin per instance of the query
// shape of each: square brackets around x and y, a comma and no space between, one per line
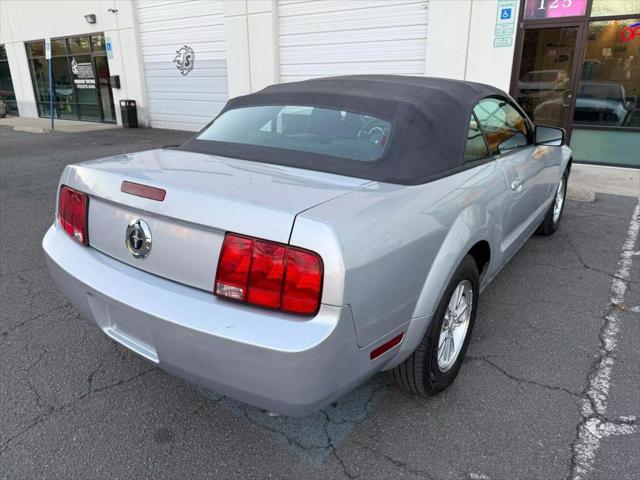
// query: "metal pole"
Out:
[51,90]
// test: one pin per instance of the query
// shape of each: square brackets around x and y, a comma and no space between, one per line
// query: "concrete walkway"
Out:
[587,180]
[43,125]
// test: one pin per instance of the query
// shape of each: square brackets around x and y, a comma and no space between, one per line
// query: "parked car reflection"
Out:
[537,82]
[539,86]
[599,103]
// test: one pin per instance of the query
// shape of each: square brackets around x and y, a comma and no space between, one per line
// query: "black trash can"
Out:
[129,113]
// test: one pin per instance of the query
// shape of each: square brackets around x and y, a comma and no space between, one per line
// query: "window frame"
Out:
[484,139]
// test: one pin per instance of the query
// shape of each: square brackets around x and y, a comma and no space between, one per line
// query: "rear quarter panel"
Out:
[389,250]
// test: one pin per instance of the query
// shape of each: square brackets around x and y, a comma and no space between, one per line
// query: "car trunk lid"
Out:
[206,196]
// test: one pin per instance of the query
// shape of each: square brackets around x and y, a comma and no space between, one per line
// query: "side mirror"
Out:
[552,136]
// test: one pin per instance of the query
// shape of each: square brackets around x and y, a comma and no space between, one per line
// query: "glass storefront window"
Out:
[97,44]
[608,93]
[7,93]
[62,85]
[80,78]
[67,111]
[79,44]
[603,8]
[58,46]
[35,49]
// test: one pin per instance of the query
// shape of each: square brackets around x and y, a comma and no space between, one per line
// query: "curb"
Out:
[20,128]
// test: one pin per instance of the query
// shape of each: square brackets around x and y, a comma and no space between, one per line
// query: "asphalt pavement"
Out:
[550,388]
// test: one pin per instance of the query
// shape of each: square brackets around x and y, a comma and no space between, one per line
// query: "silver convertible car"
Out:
[313,234]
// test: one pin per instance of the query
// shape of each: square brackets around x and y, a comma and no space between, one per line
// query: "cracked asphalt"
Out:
[543,383]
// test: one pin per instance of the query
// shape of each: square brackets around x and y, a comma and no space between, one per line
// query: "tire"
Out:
[422,373]
[551,221]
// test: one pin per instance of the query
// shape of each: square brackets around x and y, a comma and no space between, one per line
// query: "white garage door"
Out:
[327,37]
[184,56]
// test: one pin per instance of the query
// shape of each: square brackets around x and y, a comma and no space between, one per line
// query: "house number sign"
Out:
[540,9]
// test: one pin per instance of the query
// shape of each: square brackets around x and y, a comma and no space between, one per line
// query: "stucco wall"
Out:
[460,42]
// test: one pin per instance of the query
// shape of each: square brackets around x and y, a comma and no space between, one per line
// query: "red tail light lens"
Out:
[269,274]
[265,276]
[72,213]
[302,282]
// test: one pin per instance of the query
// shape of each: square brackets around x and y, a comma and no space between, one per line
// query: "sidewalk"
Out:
[587,180]
[43,125]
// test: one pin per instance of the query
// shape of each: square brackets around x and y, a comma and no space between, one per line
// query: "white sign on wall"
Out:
[47,48]
[505,23]
[109,47]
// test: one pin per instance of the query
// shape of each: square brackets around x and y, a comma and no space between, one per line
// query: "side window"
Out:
[476,148]
[503,125]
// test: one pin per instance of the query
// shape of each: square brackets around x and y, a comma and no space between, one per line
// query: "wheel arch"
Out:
[471,233]
[481,253]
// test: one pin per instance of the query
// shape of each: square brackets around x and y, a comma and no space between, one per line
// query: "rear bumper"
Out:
[268,359]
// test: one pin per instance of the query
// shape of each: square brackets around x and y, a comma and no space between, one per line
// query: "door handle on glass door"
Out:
[566,98]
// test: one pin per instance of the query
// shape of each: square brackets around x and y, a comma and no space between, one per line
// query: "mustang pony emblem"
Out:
[184,59]
[138,239]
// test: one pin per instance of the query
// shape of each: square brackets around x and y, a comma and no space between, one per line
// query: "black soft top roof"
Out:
[430,119]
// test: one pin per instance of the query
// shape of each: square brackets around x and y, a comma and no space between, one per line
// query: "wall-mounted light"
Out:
[91,18]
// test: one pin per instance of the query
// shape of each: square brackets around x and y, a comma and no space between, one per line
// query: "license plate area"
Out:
[128,328]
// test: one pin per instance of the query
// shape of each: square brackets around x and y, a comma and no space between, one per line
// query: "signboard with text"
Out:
[541,9]
[83,75]
[505,23]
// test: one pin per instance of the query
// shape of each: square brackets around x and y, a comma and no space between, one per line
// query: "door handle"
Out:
[516,183]
[566,98]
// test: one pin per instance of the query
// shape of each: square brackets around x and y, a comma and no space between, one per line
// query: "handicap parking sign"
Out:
[505,14]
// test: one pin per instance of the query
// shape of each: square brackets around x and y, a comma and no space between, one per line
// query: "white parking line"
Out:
[594,405]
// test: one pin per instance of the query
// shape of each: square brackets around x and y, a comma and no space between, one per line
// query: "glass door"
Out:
[547,74]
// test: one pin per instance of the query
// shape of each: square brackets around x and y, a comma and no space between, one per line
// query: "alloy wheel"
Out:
[559,201]
[455,325]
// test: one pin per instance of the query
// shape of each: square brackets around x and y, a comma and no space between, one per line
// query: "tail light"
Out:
[269,274]
[72,213]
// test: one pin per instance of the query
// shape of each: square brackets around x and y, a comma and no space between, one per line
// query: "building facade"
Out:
[571,63]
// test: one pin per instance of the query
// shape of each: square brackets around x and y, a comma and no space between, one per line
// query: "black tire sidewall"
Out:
[548,227]
[435,380]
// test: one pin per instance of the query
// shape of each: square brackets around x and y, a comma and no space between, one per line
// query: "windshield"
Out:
[336,133]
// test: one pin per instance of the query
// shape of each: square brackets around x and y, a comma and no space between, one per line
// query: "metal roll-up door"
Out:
[184,60]
[326,37]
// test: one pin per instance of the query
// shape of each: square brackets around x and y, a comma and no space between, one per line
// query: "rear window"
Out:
[325,131]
